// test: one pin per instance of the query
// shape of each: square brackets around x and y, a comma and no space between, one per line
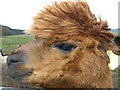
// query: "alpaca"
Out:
[69,50]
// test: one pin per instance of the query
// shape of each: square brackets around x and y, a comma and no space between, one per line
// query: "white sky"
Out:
[18,14]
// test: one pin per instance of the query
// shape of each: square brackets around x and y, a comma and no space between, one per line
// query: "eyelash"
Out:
[66,48]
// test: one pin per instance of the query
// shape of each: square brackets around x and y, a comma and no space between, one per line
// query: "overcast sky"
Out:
[18,14]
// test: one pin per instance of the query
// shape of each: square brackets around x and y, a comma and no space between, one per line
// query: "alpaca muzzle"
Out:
[16,69]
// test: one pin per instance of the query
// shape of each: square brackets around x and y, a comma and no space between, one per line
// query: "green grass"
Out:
[10,43]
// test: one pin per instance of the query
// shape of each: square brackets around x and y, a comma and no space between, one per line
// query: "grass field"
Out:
[10,43]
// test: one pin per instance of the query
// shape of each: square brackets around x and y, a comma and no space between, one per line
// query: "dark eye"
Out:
[65,47]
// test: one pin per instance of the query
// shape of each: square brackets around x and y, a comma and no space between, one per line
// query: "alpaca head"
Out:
[69,49]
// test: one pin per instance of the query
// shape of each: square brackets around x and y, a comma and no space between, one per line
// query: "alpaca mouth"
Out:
[19,75]
[23,75]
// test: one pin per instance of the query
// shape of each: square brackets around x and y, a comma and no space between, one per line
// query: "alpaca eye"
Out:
[65,47]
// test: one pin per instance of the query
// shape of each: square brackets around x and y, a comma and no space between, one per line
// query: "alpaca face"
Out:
[50,65]
[69,50]
[60,64]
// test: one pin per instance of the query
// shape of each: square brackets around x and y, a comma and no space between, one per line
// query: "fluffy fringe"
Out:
[71,18]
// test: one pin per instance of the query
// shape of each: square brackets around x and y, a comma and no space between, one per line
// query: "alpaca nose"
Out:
[14,59]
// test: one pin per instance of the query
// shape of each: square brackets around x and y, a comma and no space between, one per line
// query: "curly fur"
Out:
[86,66]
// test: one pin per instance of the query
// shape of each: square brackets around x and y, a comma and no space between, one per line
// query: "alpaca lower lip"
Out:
[20,78]
[15,74]
[23,75]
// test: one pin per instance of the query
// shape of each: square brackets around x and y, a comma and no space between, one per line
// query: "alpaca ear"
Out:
[115,49]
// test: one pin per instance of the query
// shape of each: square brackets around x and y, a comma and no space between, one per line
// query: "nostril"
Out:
[13,60]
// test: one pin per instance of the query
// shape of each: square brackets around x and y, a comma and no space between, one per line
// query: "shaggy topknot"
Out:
[73,19]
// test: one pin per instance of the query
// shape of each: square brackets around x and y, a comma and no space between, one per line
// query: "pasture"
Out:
[10,43]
